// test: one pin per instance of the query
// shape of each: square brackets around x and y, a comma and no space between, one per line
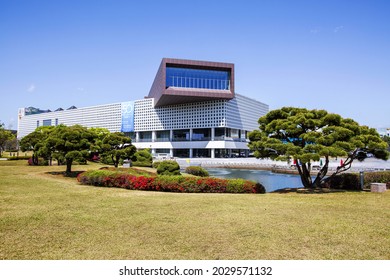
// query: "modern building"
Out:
[383,131]
[192,110]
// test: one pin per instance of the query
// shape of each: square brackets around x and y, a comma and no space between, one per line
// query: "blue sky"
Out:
[332,55]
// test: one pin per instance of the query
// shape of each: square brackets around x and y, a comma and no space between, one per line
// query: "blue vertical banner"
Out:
[127,116]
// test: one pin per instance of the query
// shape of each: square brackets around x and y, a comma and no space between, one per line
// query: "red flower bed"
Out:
[169,183]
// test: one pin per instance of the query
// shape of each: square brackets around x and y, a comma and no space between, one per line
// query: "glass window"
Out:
[145,136]
[162,136]
[181,135]
[46,123]
[197,78]
[203,134]
[181,153]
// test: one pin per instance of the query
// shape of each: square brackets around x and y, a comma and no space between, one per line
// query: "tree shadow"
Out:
[72,174]
[310,191]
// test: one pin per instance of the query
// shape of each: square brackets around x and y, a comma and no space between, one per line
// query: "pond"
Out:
[271,181]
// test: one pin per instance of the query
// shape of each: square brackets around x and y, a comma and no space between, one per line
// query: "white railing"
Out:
[189,82]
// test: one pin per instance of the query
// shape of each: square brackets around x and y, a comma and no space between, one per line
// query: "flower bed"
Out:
[105,178]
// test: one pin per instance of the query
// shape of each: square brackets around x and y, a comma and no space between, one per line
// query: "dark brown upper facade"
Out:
[185,81]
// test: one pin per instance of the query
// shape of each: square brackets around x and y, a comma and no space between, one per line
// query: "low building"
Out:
[192,110]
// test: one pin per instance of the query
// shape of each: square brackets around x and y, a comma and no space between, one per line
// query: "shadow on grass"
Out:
[310,191]
[72,174]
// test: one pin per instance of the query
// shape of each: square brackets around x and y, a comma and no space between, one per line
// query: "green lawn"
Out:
[49,217]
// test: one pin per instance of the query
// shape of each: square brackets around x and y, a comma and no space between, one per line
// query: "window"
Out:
[197,78]
[46,123]
[201,134]
[181,135]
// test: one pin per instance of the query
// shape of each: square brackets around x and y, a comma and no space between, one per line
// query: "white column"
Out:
[191,152]
[137,137]
[171,136]
[171,152]
[153,136]
[212,153]
[191,134]
[212,133]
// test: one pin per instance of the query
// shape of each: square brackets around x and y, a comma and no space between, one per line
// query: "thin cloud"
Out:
[314,31]
[338,28]
[80,89]
[31,88]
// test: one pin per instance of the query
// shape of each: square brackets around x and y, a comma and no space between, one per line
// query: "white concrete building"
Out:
[193,112]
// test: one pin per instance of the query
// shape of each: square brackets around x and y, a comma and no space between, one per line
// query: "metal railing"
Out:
[189,82]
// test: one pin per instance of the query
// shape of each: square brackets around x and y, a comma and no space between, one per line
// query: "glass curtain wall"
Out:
[197,78]
[181,135]
[162,136]
[202,134]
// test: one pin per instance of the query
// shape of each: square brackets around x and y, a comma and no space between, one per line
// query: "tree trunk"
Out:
[35,159]
[304,172]
[69,166]
[116,162]
[322,173]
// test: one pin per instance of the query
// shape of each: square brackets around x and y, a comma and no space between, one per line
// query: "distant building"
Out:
[384,131]
[192,110]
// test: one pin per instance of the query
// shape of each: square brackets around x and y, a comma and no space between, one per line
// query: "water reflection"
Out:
[271,181]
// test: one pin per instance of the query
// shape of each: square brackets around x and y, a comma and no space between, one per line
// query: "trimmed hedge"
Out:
[19,158]
[142,158]
[197,171]
[377,177]
[141,163]
[168,167]
[351,181]
[131,170]
[106,178]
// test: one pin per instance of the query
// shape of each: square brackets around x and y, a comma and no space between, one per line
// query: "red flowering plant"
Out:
[166,183]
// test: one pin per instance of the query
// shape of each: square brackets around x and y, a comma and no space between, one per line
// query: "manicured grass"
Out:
[50,217]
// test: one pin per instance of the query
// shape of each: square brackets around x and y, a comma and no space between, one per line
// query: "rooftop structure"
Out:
[181,81]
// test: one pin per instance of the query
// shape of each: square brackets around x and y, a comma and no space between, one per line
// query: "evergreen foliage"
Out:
[306,135]
[117,146]
[197,171]
[5,137]
[142,158]
[168,167]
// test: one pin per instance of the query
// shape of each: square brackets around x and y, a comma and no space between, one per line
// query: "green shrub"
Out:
[142,158]
[141,163]
[106,160]
[197,171]
[19,158]
[377,177]
[156,164]
[168,167]
[132,171]
[344,181]
[41,162]
[107,178]
[94,177]
[351,181]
